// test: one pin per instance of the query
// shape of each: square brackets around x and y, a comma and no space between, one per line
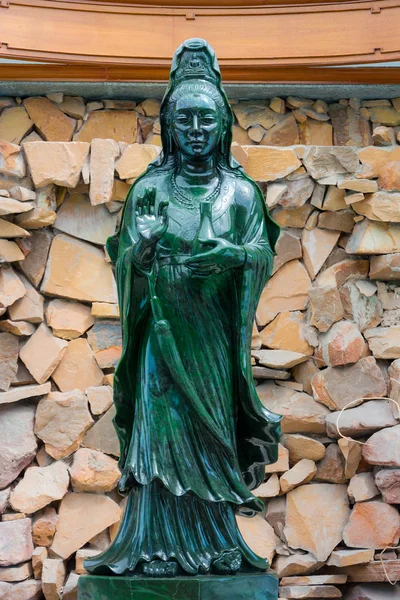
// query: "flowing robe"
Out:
[183,481]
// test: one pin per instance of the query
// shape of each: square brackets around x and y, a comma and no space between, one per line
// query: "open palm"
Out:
[151,225]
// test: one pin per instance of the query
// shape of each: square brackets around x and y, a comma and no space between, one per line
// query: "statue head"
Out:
[196,118]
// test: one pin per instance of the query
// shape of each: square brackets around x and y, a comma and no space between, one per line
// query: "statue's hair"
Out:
[196,86]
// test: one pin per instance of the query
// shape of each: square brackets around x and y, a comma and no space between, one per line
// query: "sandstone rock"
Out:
[38,557]
[56,162]
[292,217]
[364,310]
[323,161]
[347,124]
[389,178]
[341,220]
[342,344]
[61,422]
[342,271]
[11,160]
[384,115]
[53,576]
[302,447]
[118,125]
[288,331]
[326,306]
[280,295]
[25,590]
[104,310]
[354,198]
[373,591]
[301,473]
[82,516]
[9,252]
[100,398]
[258,535]
[313,133]
[51,122]
[310,522]
[71,587]
[10,230]
[388,483]
[373,237]
[268,163]
[372,524]
[347,558]
[81,556]
[303,373]
[284,133]
[135,160]
[287,248]
[79,218]
[279,359]
[28,308]
[252,113]
[16,573]
[151,107]
[275,191]
[317,245]
[91,280]
[36,218]
[14,124]
[4,497]
[44,527]
[42,353]
[381,206]
[78,368]
[11,287]
[269,489]
[334,199]
[385,267]
[365,186]
[383,447]
[16,544]
[102,158]
[35,262]
[68,320]
[337,387]
[296,564]
[93,471]
[331,468]
[301,414]
[362,487]
[17,440]
[313,580]
[24,391]
[9,347]
[384,342]
[18,328]
[362,420]
[9,206]
[351,451]
[310,591]
[73,106]
[282,464]
[106,342]
[297,192]
[374,160]
[39,487]
[102,435]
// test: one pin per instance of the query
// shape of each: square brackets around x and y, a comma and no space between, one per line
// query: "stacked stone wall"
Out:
[325,348]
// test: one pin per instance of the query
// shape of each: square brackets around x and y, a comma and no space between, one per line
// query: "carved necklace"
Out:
[187,201]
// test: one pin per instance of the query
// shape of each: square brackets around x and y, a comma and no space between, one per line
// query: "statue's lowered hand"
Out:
[223,255]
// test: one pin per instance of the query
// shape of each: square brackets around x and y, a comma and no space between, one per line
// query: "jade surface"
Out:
[192,254]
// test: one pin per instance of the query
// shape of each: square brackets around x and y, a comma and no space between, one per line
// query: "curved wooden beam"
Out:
[250,41]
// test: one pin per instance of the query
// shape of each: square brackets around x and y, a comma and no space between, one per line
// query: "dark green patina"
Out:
[192,255]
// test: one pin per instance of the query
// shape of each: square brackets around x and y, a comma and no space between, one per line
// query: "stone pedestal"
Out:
[260,586]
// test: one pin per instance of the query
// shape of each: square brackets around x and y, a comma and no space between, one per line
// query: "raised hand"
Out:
[151,226]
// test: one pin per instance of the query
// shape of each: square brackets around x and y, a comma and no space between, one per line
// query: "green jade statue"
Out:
[192,254]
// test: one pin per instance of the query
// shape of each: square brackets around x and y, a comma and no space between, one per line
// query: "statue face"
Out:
[196,125]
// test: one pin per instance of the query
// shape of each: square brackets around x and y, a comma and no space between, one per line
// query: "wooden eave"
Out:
[120,41]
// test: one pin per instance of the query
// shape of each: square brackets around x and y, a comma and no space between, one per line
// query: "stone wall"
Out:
[327,337]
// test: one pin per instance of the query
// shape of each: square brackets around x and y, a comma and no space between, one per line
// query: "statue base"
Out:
[259,586]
